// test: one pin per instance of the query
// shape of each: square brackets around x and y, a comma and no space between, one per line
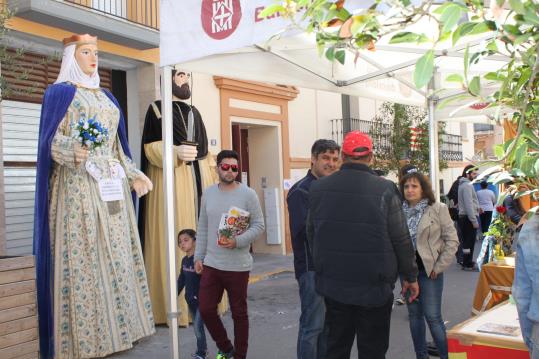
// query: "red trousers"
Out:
[212,285]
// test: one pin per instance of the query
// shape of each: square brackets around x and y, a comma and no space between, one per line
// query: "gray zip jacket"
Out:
[468,202]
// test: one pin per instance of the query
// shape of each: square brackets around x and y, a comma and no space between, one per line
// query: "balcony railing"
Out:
[142,12]
[451,144]
[451,147]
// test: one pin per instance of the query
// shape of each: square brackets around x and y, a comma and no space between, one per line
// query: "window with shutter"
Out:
[28,74]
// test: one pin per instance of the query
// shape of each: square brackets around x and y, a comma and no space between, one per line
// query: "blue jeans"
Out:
[198,326]
[311,342]
[428,307]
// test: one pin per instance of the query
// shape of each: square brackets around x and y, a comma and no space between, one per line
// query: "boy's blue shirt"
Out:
[189,280]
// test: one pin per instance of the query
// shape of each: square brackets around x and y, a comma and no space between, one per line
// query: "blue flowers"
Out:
[91,133]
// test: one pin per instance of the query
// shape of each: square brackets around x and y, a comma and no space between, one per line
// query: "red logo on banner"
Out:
[220,18]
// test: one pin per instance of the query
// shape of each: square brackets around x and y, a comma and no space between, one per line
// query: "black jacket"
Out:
[298,207]
[359,237]
[514,211]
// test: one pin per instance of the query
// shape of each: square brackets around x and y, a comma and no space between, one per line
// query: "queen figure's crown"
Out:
[80,40]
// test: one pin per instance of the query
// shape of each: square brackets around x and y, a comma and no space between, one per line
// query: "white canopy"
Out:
[226,38]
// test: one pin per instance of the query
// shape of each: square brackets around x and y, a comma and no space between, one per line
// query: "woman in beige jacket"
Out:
[435,241]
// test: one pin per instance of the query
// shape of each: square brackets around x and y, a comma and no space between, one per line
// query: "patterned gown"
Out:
[101,298]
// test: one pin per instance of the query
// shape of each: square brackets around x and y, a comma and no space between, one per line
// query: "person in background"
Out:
[406,169]
[453,198]
[468,215]
[526,284]
[435,241]
[487,201]
[190,280]
[324,161]
[514,210]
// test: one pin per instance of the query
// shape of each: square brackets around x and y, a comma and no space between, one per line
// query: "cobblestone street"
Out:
[274,314]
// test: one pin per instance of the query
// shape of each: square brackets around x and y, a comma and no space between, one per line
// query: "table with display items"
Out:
[494,334]
[493,285]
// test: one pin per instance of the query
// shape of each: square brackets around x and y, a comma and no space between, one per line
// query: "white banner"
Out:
[191,29]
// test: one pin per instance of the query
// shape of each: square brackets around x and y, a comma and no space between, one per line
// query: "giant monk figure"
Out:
[194,170]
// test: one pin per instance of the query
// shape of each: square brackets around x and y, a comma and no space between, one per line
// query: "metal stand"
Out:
[168,177]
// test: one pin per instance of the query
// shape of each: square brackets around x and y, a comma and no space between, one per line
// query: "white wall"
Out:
[329,107]
[367,108]
[206,99]
[148,86]
[468,143]
[309,119]
[302,123]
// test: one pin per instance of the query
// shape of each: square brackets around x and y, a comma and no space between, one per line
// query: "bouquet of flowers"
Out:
[91,133]
[502,229]
[232,224]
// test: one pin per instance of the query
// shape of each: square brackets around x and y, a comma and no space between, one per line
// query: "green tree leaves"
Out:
[424,69]
[512,34]
[404,37]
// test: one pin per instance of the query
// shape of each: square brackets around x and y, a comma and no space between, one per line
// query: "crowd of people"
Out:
[351,244]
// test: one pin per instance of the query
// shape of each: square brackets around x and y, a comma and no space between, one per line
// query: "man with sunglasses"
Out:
[226,265]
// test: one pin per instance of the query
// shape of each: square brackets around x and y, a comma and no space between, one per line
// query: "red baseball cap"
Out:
[355,142]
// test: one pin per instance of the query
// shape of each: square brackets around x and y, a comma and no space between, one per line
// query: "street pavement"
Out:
[274,311]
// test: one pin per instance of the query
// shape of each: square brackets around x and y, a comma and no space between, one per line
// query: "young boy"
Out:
[191,281]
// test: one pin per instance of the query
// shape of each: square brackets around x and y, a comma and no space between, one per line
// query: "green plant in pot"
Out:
[502,230]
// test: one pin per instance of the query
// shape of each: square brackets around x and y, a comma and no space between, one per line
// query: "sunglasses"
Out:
[226,167]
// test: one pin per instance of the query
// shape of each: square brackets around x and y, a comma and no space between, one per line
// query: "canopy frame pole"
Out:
[402,80]
[433,137]
[403,65]
[168,177]
[379,73]
[285,58]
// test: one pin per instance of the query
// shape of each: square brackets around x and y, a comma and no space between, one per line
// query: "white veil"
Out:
[71,71]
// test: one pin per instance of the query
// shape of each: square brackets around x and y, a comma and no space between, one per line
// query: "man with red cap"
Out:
[360,244]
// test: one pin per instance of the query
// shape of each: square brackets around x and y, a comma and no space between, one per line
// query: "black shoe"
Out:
[473,268]
[432,349]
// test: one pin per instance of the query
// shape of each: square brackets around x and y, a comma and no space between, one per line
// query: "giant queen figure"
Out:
[93,297]
[194,170]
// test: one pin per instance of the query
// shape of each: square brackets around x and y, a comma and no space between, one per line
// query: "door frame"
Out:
[257,93]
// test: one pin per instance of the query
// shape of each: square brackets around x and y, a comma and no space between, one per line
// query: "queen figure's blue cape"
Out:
[56,101]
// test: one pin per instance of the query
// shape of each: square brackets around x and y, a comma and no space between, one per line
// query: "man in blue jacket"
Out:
[324,161]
